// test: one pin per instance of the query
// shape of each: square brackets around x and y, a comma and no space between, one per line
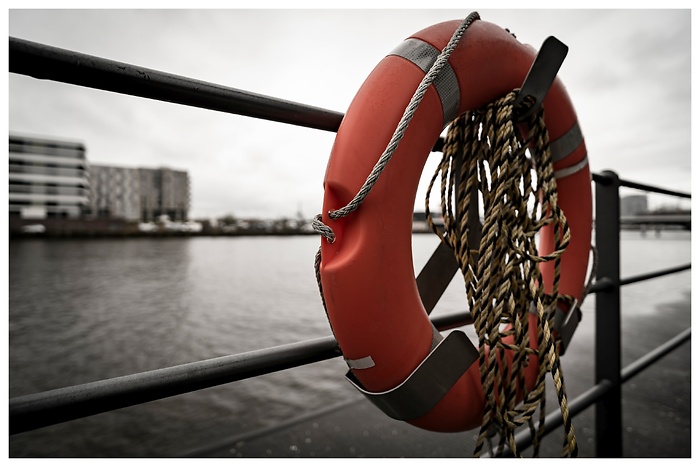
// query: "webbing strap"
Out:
[566,143]
[429,382]
[423,55]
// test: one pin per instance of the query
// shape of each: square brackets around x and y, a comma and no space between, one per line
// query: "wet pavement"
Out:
[656,409]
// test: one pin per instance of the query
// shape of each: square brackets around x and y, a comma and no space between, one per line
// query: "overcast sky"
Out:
[627,72]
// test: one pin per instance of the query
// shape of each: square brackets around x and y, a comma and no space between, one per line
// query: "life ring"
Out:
[367,273]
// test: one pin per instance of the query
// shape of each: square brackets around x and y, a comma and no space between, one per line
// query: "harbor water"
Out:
[83,310]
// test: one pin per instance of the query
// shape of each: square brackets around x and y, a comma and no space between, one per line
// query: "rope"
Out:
[484,151]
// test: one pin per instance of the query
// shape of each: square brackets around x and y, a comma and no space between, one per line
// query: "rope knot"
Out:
[322,229]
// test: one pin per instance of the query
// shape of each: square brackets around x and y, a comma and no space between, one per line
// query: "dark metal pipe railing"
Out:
[633,369]
[61,405]
[604,283]
[46,62]
[51,407]
[653,189]
[608,326]
[607,177]
[655,274]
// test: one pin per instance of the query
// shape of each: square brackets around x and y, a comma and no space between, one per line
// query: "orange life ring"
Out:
[367,273]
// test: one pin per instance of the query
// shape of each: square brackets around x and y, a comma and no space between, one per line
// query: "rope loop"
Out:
[322,229]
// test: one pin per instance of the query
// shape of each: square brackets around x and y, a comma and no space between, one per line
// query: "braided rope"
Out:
[504,280]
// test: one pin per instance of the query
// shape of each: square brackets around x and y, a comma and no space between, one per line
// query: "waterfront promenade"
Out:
[656,410]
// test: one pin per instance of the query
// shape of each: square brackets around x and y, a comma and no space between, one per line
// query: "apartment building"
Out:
[115,192]
[52,179]
[47,178]
[164,192]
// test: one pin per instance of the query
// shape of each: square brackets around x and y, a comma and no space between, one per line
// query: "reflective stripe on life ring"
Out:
[367,273]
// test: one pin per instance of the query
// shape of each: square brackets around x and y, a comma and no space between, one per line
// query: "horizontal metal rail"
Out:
[52,63]
[653,189]
[66,66]
[634,368]
[61,405]
[606,179]
[655,274]
[605,283]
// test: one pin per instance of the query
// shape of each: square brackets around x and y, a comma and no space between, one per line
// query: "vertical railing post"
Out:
[608,360]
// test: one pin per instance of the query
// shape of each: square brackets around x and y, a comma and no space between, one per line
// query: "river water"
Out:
[86,310]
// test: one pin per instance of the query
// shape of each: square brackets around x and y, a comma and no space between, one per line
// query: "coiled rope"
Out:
[484,150]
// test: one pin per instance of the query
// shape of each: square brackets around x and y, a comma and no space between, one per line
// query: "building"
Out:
[633,205]
[164,192]
[139,194]
[52,179]
[47,178]
[115,192]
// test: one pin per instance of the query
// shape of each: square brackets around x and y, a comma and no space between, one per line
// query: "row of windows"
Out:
[51,214]
[48,189]
[50,181]
[44,203]
[35,183]
[45,170]
[25,147]
[57,162]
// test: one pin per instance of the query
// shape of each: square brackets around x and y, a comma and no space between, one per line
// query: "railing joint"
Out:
[606,284]
[606,178]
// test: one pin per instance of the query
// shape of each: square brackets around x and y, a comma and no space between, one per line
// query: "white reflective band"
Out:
[361,363]
[423,55]
[367,362]
[565,172]
[566,143]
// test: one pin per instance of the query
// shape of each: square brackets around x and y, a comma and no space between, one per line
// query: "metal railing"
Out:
[48,408]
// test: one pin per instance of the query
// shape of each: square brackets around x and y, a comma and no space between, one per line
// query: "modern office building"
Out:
[115,192]
[52,179]
[164,192]
[139,194]
[47,178]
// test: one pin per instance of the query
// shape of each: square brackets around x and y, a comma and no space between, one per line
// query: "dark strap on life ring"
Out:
[428,383]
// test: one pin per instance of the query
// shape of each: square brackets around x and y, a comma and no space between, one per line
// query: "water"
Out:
[85,310]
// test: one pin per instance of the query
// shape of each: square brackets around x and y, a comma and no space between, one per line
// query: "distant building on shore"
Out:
[47,178]
[164,192]
[633,205]
[53,179]
[114,192]
[139,194]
